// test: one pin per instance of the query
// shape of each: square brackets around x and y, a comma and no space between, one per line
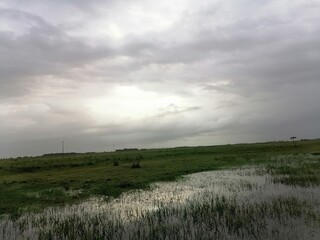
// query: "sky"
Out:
[103,75]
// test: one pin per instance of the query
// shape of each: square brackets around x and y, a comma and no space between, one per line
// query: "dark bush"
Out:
[135,165]
[125,184]
[115,163]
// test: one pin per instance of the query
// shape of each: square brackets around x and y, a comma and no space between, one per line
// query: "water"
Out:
[263,209]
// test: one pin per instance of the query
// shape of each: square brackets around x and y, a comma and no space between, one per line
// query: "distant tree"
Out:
[293,138]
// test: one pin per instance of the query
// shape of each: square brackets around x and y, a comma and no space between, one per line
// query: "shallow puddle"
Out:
[244,192]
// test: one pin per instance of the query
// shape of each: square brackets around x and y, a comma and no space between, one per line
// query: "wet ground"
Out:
[229,204]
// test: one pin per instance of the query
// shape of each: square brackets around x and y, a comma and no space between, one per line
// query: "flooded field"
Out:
[246,203]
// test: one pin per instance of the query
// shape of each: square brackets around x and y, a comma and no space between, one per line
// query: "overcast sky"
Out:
[106,74]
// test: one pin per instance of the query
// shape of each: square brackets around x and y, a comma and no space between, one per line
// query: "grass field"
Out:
[33,183]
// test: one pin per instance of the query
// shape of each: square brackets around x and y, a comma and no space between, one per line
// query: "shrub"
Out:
[115,163]
[135,165]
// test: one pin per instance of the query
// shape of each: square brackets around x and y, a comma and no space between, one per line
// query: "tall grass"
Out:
[246,203]
[218,217]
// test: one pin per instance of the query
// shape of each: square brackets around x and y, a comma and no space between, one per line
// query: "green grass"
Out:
[296,171]
[217,217]
[37,182]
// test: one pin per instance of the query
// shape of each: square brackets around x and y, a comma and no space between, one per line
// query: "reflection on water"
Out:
[245,184]
[246,190]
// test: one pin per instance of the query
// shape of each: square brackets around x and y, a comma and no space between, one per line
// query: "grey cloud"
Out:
[42,50]
[269,49]
[173,109]
[242,73]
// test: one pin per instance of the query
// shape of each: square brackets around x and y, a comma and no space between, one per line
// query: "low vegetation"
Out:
[240,203]
[33,183]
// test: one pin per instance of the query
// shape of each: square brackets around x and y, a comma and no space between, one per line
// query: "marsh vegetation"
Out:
[266,191]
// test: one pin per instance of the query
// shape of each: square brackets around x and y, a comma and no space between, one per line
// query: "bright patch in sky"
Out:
[129,103]
[156,73]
